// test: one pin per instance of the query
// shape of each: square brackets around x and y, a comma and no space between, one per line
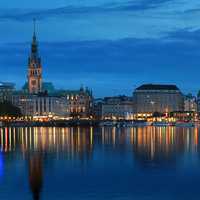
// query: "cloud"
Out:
[50,4]
[121,64]
[146,19]
[29,14]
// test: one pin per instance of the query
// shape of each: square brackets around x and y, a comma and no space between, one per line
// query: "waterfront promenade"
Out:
[101,123]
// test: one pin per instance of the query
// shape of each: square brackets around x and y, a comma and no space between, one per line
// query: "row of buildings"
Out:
[146,100]
[61,103]
[40,99]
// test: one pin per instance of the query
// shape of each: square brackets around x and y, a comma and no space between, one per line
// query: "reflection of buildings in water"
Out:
[36,175]
[149,143]
[118,138]
[81,143]
[35,143]
[159,144]
[70,142]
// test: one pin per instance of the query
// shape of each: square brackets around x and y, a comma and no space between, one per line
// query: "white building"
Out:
[41,105]
[117,108]
[150,98]
[80,102]
[190,103]
[6,91]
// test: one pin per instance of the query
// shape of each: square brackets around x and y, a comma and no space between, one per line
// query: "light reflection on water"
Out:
[88,160]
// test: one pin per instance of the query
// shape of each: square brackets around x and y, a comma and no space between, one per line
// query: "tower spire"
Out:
[34,46]
[35,67]
[34,28]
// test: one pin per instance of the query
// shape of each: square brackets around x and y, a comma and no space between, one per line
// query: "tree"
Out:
[157,114]
[8,109]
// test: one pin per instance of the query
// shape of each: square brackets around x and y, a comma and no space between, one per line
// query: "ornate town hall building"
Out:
[34,68]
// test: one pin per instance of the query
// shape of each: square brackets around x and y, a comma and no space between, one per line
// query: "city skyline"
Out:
[99,99]
[140,43]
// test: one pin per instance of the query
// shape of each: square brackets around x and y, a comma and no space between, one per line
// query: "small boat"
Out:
[161,124]
[184,124]
[107,123]
[141,124]
[1,124]
[125,124]
[197,124]
[132,124]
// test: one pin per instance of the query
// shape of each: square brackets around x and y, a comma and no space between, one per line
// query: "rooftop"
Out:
[120,98]
[157,87]
[117,100]
[7,84]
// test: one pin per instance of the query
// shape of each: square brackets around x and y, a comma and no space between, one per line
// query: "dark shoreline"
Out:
[61,123]
[75,123]
[52,123]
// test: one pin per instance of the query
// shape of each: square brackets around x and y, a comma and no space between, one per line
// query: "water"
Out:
[91,163]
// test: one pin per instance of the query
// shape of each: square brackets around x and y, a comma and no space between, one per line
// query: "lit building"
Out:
[120,107]
[80,102]
[34,69]
[6,91]
[97,109]
[190,103]
[198,102]
[42,105]
[183,116]
[150,98]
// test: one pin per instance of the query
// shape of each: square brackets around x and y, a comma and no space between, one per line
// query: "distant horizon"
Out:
[121,94]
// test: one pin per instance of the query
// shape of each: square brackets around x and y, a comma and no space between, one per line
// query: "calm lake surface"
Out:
[150,163]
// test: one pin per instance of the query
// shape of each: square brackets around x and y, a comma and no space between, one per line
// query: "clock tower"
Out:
[34,68]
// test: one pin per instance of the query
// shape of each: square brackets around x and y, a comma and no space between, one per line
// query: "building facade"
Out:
[198,102]
[42,105]
[120,107]
[97,108]
[6,91]
[34,69]
[150,98]
[190,103]
[80,102]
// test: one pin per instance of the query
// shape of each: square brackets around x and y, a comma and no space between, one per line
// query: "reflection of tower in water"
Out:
[36,175]
[71,142]
[148,147]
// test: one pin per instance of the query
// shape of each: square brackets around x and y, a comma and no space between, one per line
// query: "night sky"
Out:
[111,46]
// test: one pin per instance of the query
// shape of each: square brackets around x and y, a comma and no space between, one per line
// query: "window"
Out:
[33,82]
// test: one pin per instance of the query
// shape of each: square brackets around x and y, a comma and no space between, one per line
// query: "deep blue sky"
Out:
[111,46]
